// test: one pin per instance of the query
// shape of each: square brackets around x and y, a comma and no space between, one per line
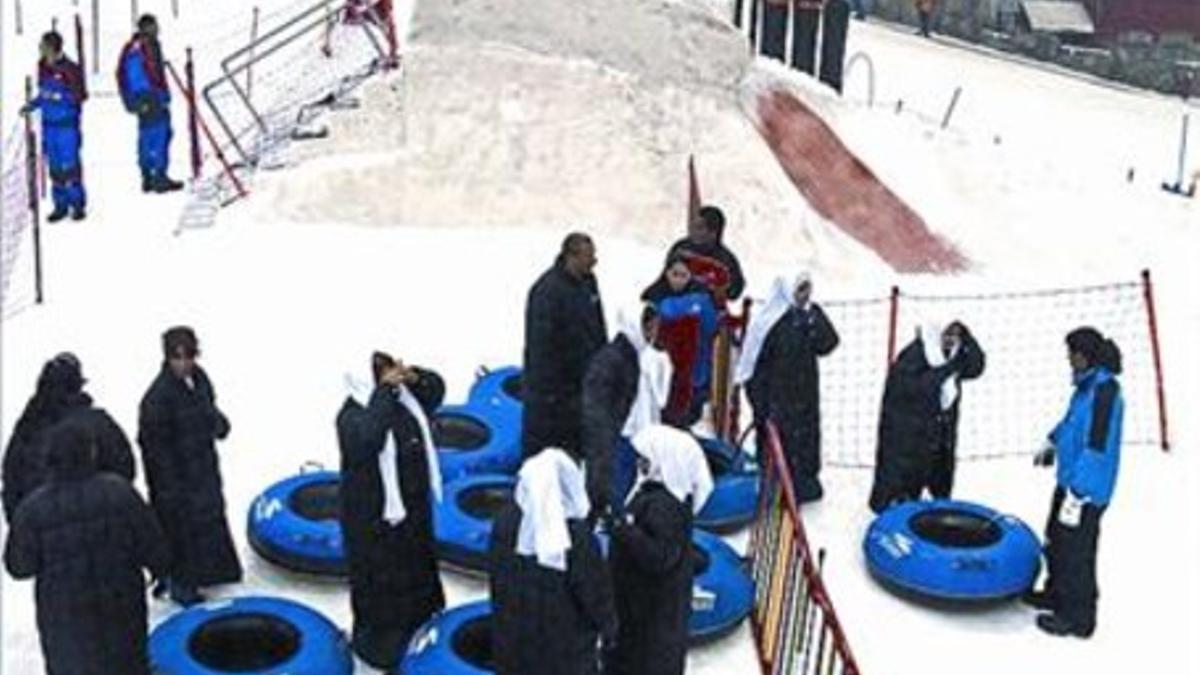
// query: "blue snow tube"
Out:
[952,550]
[294,524]
[499,389]
[462,522]
[266,636]
[475,438]
[456,641]
[723,592]
[734,499]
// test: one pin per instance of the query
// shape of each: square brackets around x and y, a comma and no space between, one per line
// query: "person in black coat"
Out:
[178,426]
[652,557]
[609,389]
[389,468]
[552,602]
[59,397]
[85,536]
[704,243]
[779,367]
[564,328]
[918,424]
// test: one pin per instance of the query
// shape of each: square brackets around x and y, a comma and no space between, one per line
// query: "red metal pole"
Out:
[693,192]
[893,313]
[189,72]
[1152,317]
[31,168]
[237,183]
[79,48]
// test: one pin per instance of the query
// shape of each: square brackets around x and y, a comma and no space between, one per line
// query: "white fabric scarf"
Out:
[550,491]
[677,461]
[781,299]
[394,511]
[654,379]
[931,342]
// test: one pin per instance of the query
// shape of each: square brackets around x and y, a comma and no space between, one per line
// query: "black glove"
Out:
[1045,456]
[221,427]
[147,107]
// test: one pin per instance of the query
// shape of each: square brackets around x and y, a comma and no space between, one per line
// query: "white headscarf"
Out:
[394,511]
[654,378]
[930,333]
[781,299]
[550,491]
[677,461]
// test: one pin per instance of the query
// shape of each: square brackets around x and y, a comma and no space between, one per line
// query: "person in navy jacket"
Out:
[61,93]
[1087,447]
[142,81]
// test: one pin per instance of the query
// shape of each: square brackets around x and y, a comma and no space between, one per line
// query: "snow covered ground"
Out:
[506,144]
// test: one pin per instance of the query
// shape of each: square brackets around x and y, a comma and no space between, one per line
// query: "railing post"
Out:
[31,168]
[893,312]
[1152,319]
[189,73]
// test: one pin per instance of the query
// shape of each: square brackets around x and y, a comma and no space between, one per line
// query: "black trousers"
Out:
[1071,564]
[926,21]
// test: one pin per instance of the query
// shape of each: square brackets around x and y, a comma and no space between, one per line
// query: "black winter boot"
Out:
[57,214]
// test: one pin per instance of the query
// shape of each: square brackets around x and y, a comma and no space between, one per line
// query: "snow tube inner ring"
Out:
[243,643]
[955,528]
[485,502]
[718,464]
[511,386]
[317,501]
[472,642]
[700,559]
[455,431]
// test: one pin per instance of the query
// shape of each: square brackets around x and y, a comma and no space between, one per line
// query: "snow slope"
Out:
[285,288]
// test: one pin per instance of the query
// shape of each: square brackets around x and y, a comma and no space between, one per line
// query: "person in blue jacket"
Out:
[61,93]
[1087,446]
[678,295]
[142,81]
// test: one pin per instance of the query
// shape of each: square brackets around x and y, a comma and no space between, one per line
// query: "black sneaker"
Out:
[56,215]
[78,214]
[1037,599]
[1059,627]
[165,184]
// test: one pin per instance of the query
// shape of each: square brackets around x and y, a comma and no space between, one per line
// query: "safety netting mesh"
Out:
[1026,385]
[17,282]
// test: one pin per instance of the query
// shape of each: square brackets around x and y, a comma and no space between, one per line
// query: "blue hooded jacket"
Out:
[1088,439]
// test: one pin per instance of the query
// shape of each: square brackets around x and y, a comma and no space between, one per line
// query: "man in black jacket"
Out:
[703,247]
[918,424]
[86,535]
[59,397]
[609,389]
[178,427]
[389,470]
[564,328]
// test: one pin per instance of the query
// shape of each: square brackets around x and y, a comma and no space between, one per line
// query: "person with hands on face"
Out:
[389,477]
[918,423]
[1086,445]
[778,366]
[651,560]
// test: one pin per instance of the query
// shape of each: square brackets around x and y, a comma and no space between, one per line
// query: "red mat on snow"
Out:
[845,192]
